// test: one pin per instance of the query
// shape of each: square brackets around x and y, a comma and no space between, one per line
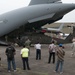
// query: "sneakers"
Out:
[48,62]
[15,70]
[61,72]
[29,69]
[54,71]
[8,70]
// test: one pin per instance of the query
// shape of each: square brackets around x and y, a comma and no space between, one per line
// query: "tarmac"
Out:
[38,67]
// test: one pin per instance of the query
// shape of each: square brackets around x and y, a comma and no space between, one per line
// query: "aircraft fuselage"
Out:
[16,18]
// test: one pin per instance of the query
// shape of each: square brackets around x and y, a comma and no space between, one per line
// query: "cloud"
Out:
[8,5]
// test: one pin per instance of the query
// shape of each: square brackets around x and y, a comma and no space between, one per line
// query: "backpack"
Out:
[10,53]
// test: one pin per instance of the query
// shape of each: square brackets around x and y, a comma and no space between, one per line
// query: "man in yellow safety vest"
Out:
[24,56]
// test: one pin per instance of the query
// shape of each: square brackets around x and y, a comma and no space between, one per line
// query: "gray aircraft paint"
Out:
[57,30]
[16,18]
[35,2]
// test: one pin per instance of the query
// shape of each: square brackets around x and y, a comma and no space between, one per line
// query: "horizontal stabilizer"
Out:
[61,26]
[41,18]
[3,43]
[34,2]
[57,30]
[53,30]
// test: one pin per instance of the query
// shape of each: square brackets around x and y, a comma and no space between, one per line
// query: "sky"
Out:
[8,5]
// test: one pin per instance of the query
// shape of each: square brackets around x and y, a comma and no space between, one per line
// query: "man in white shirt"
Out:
[52,49]
[38,51]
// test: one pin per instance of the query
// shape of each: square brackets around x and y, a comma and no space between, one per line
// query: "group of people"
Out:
[53,51]
[10,52]
[59,51]
[25,52]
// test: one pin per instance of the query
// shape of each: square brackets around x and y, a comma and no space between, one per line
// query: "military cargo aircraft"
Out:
[37,14]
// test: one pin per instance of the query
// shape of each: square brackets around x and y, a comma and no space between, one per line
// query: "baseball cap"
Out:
[60,45]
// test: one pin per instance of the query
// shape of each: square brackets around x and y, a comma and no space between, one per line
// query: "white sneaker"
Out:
[15,70]
[54,71]
[8,70]
[61,72]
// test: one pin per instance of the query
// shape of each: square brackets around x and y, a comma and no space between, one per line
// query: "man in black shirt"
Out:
[10,52]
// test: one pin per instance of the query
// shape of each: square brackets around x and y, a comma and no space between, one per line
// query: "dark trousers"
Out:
[38,54]
[25,62]
[13,63]
[50,56]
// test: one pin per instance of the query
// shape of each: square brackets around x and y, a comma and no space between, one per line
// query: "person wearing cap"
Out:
[60,58]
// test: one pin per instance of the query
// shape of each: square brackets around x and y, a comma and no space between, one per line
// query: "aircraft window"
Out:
[4,21]
[47,8]
[59,8]
[1,21]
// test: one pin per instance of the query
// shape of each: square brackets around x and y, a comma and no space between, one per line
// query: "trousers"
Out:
[59,63]
[25,63]
[38,54]
[13,64]
[50,56]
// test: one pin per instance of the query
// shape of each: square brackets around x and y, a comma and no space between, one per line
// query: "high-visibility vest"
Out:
[25,52]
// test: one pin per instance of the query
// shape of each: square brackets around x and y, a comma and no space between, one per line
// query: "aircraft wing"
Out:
[34,2]
[41,18]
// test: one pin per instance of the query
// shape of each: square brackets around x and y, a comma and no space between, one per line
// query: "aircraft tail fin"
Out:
[61,26]
[35,2]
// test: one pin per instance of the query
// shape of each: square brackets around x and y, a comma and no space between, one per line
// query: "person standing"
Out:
[52,50]
[10,52]
[24,56]
[38,51]
[27,44]
[60,58]
[0,63]
[73,47]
